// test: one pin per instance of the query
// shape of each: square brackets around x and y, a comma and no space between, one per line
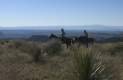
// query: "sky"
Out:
[15,13]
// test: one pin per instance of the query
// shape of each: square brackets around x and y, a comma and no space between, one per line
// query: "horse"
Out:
[53,36]
[64,40]
[84,40]
[67,41]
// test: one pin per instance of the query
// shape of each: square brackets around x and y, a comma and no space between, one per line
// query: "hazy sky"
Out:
[60,12]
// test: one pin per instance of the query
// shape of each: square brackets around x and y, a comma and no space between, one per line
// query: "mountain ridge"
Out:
[87,27]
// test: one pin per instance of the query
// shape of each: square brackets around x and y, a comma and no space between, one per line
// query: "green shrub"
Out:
[18,44]
[2,42]
[116,49]
[33,50]
[54,48]
[87,64]
[30,48]
[37,54]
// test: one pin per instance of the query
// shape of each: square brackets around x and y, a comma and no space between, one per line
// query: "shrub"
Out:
[54,48]
[30,48]
[33,50]
[37,54]
[18,44]
[87,64]
[2,42]
[116,49]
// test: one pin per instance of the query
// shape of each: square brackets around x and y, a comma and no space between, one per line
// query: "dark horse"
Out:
[84,40]
[65,40]
[53,36]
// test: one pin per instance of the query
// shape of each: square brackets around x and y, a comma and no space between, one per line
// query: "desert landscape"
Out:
[61,39]
[56,62]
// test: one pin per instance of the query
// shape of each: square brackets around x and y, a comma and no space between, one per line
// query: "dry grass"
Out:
[17,61]
[55,69]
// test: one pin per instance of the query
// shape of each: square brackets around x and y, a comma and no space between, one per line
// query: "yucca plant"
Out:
[87,64]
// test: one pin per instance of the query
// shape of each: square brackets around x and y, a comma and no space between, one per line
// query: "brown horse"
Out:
[64,40]
[67,41]
[84,40]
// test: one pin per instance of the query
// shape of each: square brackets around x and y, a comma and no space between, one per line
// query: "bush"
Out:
[37,55]
[54,48]
[18,44]
[118,48]
[33,50]
[87,64]
[30,48]
[2,42]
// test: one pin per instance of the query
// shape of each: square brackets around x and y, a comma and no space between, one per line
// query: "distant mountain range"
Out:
[103,27]
[87,27]
[41,33]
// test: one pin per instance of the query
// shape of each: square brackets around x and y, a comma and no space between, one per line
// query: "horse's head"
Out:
[52,36]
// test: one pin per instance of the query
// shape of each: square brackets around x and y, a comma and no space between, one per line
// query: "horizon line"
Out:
[59,25]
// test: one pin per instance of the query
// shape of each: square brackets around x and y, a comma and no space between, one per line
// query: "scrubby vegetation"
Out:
[24,60]
[54,48]
[88,64]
